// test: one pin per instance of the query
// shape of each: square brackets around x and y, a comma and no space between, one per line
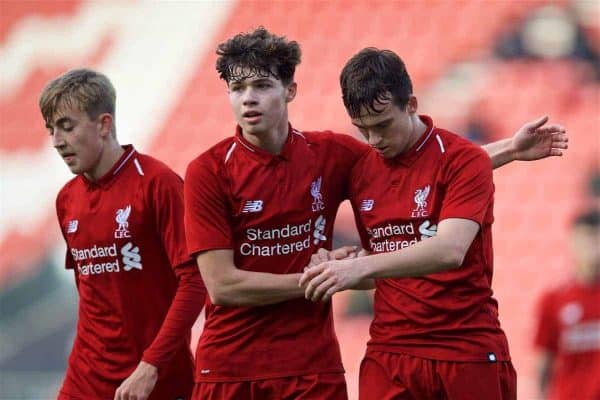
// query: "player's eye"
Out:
[382,125]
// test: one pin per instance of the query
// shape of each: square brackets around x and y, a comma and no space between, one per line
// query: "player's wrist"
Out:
[510,151]
[363,268]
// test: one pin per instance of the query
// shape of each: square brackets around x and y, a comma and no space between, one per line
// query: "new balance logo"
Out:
[72,227]
[131,257]
[253,206]
[367,205]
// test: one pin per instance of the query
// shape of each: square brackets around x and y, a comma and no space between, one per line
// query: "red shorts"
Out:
[173,387]
[306,387]
[386,376]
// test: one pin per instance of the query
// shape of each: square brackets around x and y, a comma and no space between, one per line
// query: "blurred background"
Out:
[481,68]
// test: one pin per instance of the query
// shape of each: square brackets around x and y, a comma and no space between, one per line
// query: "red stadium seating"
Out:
[534,202]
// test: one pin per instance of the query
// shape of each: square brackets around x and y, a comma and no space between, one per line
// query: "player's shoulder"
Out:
[563,291]
[329,139]
[151,169]
[454,142]
[68,190]
[458,148]
[215,157]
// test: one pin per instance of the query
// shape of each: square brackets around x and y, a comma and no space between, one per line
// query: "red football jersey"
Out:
[126,245]
[274,212]
[569,327]
[449,315]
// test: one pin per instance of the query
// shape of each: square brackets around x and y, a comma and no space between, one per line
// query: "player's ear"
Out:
[412,105]
[105,124]
[291,91]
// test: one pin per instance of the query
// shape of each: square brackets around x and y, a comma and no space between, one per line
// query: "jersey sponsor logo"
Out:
[253,206]
[571,313]
[427,230]
[72,227]
[382,238]
[315,192]
[318,234]
[122,230]
[283,240]
[420,198]
[87,264]
[581,337]
[367,205]
[131,257]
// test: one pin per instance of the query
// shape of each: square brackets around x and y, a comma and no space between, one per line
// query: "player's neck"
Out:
[109,157]
[419,129]
[272,140]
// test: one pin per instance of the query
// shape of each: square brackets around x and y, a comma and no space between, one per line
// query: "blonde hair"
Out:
[88,90]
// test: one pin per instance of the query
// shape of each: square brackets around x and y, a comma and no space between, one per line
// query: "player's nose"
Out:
[374,139]
[58,139]
[249,96]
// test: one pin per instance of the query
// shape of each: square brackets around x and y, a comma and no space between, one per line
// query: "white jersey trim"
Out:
[298,133]
[229,151]
[439,139]
[123,162]
[138,166]
[426,139]
[245,145]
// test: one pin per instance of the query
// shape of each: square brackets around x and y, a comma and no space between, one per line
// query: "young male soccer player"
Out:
[258,205]
[436,332]
[568,331]
[122,220]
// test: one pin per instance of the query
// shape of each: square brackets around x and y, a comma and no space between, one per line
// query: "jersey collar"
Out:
[127,155]
[261,155]
[416,149]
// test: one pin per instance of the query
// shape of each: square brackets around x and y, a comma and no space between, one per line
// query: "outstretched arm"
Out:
[533,141]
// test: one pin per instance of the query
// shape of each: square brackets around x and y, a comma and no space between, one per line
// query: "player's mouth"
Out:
[68,157]
[380,150]
[252,117]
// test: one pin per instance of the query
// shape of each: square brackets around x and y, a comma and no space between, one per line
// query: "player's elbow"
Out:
[453,255]
[221,296]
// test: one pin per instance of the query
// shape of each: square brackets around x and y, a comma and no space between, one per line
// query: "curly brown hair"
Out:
[258,53]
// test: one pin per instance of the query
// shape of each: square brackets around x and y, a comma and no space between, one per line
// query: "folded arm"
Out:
[228,285]
[442,252]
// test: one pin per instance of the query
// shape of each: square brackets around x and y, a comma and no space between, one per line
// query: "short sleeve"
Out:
[207,217]
[469,185]
[60,212]
[166,202]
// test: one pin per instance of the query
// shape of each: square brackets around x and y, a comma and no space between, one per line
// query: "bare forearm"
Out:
[246,288]
[426,257]
[500,152]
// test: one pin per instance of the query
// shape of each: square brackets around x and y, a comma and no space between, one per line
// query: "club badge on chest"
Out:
[420,198]
[122,217]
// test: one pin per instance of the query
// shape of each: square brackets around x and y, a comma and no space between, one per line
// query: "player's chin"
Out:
[75,168]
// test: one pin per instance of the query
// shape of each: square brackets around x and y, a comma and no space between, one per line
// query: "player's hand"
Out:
[536,140]
[322,255]
[140,383]
[330,277]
